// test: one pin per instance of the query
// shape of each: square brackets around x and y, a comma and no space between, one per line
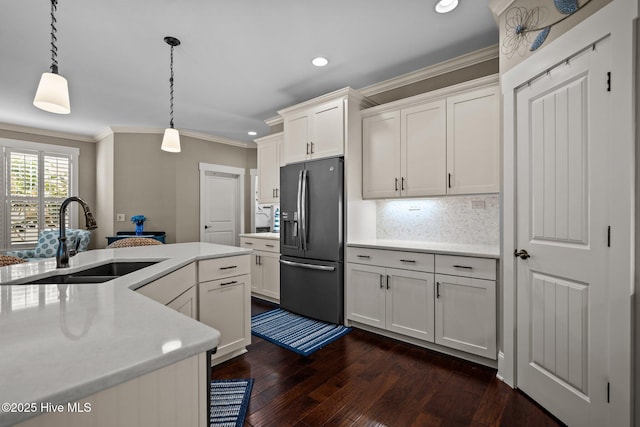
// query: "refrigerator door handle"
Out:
[296,230]
[303,215]
[308,266]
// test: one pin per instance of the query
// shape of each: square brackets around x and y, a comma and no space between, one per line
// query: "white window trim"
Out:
[15,144]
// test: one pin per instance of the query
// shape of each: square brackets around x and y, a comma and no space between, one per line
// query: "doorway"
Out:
[221,204]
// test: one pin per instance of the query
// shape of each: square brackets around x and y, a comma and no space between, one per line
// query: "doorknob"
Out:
[522,253]
[206,226]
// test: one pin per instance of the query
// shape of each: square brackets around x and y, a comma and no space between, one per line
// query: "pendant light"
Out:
[53,92]
[171,139]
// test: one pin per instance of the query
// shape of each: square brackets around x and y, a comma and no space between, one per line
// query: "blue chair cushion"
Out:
[48,244]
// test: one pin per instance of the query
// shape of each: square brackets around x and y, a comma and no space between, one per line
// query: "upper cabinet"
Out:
[316,129]
[270,158]
[433,144]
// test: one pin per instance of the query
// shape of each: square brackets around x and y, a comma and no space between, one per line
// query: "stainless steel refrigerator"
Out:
[311,239]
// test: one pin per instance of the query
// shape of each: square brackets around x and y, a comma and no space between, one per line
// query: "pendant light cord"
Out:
[54,39]
[171,89]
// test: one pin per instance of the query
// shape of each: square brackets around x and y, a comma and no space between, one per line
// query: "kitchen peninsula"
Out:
[104,343]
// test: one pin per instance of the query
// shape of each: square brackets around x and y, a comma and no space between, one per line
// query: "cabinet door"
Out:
[381,155]
[366,290]
[423,139]
[256,273]
[225,305]
[409,303]
[296,138]
[466,314]
[186,303]
[270,264]
[473,142]
[268,172]
[327,137]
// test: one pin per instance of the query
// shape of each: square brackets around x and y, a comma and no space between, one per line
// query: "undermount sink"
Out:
[100,274]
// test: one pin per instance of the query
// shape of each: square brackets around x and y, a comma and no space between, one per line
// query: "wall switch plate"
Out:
[120,217]
[478,204]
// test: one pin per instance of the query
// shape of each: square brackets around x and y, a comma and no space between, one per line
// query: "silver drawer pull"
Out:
[364,256]
[248,243]
[229,283]
[270,246]
[463,266]
[413,261]
[229,267]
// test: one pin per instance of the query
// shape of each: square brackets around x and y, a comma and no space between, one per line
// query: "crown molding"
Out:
[269,137]
[346,92]
[467,60]
[45,132]
[272,121]
[188,133]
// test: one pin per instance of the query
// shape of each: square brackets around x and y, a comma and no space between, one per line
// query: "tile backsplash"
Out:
[451,219]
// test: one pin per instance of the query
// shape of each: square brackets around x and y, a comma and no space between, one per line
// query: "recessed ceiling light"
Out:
[252,133]
[319,61]
[444,6]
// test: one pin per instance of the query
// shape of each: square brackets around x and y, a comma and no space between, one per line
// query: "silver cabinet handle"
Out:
[259,257]
[437,289]
[412,261]
[311,147]
[381,281]
[396,185]
[388,281]
[463,266]
[364,256]
[402,185]
[449,175]
[248,243]
[229,267]
[270,246]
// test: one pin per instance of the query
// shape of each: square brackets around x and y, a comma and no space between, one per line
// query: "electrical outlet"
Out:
[120,217]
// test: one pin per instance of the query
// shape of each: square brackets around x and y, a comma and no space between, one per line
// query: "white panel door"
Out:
[562,151]
[221,209]
[381,155]
[424,150]
[410,303]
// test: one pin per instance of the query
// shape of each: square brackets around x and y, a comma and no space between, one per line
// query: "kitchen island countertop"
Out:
[269,236]
[473,250]
[61,343]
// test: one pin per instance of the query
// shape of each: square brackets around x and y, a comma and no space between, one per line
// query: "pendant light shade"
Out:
[171,138]
[53,92]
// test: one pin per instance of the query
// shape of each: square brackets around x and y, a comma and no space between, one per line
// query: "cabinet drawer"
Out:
[481,268]
[169,287]
[227,282]
[218,268]
[267,245]
[394,259]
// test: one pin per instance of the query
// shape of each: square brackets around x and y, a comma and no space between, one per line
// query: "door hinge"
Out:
[608,81]
[608,392]
[609,236]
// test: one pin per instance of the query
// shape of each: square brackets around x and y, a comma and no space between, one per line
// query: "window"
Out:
[36,178]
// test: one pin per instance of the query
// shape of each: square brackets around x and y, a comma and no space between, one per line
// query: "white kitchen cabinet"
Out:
[224,302]
[393,299]
[316,129]
[433,144]
[270,158]
[473,142]
[176,290]
[265,267]
[404,152]
[465,304]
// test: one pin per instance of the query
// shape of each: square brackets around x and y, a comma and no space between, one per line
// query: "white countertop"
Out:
[270,236]
[59,350]
[484,251]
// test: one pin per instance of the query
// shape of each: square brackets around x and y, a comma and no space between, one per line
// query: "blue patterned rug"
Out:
[229,402]
[294,332]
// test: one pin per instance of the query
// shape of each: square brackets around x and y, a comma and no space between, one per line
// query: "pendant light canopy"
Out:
[171,139]
[53,92]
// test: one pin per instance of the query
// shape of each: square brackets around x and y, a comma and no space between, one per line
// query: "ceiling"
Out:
[239,61]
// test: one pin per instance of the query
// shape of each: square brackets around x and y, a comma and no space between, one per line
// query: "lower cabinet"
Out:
[176,290]
[407,294]
[224,303]
[187,303]
[265,267]
[396,300]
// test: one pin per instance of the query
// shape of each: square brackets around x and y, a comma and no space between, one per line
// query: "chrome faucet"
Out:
[62,254]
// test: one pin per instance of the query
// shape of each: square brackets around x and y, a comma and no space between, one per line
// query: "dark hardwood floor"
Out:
[364,379]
